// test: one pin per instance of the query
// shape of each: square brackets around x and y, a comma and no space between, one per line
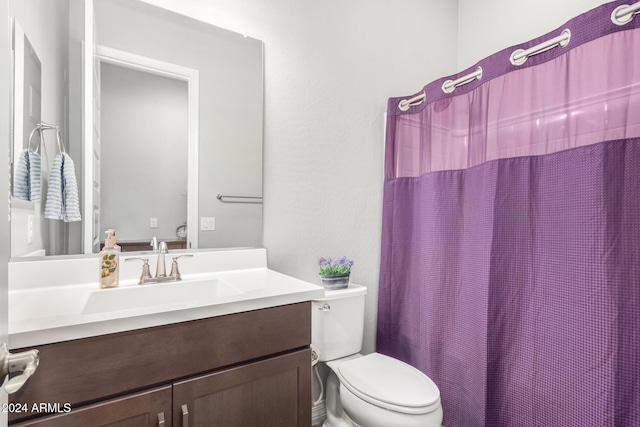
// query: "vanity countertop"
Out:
[65,311]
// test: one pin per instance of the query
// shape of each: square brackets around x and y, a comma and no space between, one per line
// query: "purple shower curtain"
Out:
[510,268]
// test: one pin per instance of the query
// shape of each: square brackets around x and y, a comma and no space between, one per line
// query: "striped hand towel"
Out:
[62,197]
[26,178]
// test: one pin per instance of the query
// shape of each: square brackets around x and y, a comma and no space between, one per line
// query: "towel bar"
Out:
[241,199]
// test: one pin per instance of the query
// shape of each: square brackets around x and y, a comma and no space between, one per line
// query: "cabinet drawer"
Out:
[90,369]
[138,410]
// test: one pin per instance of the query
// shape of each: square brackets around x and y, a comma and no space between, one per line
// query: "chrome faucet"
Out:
[154,243]
[161,270]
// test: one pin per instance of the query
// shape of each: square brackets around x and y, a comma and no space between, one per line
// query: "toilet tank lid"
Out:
[384,381]
[352,291]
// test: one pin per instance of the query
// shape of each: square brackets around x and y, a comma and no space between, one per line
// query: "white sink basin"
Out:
[174,294]
[59,300]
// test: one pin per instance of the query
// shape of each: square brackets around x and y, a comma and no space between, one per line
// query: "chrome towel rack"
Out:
[239,199]
[40,127]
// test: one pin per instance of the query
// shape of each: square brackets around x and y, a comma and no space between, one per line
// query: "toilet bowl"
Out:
[372,390]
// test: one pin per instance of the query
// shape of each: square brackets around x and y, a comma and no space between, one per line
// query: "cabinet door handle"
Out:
[161,419]
[185,416]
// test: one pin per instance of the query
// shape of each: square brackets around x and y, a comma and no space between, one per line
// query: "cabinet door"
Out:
[271,392]
[151,408]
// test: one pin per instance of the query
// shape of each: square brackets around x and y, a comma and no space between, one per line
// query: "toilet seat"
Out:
[389,383]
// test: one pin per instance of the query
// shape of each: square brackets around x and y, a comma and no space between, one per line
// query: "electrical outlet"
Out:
[207,223]
[153,222]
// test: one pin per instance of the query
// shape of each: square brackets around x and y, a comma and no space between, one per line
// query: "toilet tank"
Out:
[337,322]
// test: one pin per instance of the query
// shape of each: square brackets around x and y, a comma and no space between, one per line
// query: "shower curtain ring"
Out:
[416,100]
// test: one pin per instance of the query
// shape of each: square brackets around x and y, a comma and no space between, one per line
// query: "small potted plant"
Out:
[335,273]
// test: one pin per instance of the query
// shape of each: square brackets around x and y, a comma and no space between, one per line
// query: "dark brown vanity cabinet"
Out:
[244,369]
[149,408]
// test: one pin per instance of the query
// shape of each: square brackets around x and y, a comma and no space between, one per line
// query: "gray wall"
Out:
[230,66]
[143,170]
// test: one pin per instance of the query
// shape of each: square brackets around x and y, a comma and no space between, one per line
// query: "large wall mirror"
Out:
[162,128]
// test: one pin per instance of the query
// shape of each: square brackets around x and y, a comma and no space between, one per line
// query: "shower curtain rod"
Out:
[520,56]
[451,85]
[621,15]
[447,87]
[416,100]
[625,13]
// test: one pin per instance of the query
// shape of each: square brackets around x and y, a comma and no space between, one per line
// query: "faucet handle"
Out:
[146,272]
[174,266]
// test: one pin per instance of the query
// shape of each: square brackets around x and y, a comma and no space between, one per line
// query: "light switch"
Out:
[207,223]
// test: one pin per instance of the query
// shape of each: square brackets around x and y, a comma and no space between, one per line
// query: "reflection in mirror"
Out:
[26,160]
[52,37]
[144,188]
[229,134]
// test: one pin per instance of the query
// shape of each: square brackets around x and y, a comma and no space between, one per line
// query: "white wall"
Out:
[329,68]
[489,26]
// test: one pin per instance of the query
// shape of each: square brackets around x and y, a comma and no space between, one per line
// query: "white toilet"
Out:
[373,390]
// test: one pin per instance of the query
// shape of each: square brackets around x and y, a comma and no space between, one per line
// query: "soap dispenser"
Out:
[109,262]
